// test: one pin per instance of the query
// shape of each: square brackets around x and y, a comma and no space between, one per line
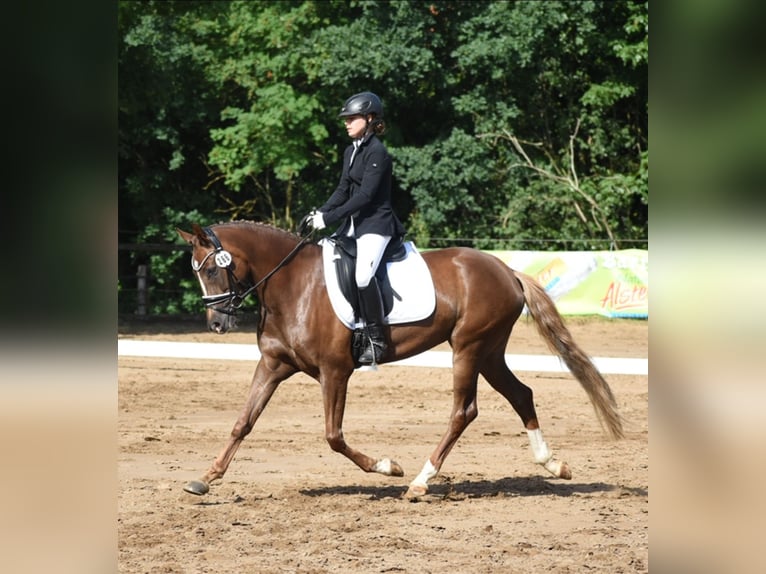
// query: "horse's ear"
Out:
[197,232]
[200,234]
[184,235]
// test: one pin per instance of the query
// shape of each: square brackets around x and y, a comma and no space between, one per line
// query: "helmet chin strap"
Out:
[372,122]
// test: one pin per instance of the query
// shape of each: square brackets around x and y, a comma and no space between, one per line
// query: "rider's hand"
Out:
[317,220]
[310,222]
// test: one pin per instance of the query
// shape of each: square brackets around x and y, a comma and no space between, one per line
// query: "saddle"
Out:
[405,283]
[344,250]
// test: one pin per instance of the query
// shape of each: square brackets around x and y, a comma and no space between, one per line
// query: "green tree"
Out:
[565,79]
[272,126]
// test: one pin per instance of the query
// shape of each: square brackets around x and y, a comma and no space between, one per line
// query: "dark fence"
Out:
[137,286]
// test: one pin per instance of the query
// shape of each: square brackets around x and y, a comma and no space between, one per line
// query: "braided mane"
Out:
[269,228]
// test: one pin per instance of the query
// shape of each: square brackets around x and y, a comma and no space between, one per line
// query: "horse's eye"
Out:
[211,271]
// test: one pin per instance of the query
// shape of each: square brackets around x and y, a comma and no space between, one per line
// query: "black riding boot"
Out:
[371,308]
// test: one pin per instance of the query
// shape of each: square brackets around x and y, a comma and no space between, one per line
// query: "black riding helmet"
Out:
[361,105]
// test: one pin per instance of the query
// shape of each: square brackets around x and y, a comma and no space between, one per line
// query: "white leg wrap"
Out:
[428,472]
[383,466]
[540,450]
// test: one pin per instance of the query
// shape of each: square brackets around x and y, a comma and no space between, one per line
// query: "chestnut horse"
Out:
[478,300]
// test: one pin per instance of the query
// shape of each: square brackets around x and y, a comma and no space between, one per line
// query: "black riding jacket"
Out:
[364,192]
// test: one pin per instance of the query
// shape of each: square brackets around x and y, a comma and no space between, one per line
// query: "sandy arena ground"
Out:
[289,504]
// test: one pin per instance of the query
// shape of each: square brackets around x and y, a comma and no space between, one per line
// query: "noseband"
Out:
[238,291]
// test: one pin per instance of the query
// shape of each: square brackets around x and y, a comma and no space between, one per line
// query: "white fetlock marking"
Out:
[428,472]
[383,466]
[540,450]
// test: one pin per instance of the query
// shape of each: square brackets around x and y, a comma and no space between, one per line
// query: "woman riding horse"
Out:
[362,202]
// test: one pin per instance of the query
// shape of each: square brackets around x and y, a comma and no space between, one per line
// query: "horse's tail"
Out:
[556,335]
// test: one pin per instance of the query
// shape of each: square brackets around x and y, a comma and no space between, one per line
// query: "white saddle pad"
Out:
[410,279]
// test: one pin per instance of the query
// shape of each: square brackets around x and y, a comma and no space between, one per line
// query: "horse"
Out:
[478,300]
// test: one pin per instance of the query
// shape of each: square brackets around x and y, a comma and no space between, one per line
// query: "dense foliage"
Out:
[518,125]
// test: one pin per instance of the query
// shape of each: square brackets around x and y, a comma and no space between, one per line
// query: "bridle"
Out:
[238,290]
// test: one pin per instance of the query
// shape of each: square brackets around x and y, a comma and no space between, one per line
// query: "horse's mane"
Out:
[267,227]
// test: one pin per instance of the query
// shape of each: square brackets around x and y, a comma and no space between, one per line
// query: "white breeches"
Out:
[369,252]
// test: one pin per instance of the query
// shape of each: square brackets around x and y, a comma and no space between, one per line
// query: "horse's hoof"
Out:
[415,491]
[388,467]
[197,487]
[558,469]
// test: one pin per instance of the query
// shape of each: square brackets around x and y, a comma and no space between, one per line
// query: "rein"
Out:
[223,259]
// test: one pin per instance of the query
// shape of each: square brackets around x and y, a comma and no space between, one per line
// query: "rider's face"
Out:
[355,126]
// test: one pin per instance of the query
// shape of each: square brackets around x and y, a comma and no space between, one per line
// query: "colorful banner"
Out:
[607,283]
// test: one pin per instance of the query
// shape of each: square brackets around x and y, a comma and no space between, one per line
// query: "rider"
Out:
[362,202]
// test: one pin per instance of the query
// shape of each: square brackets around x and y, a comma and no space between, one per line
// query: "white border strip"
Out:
[242,352]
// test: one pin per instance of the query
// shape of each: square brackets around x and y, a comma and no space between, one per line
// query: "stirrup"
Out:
[373,351]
